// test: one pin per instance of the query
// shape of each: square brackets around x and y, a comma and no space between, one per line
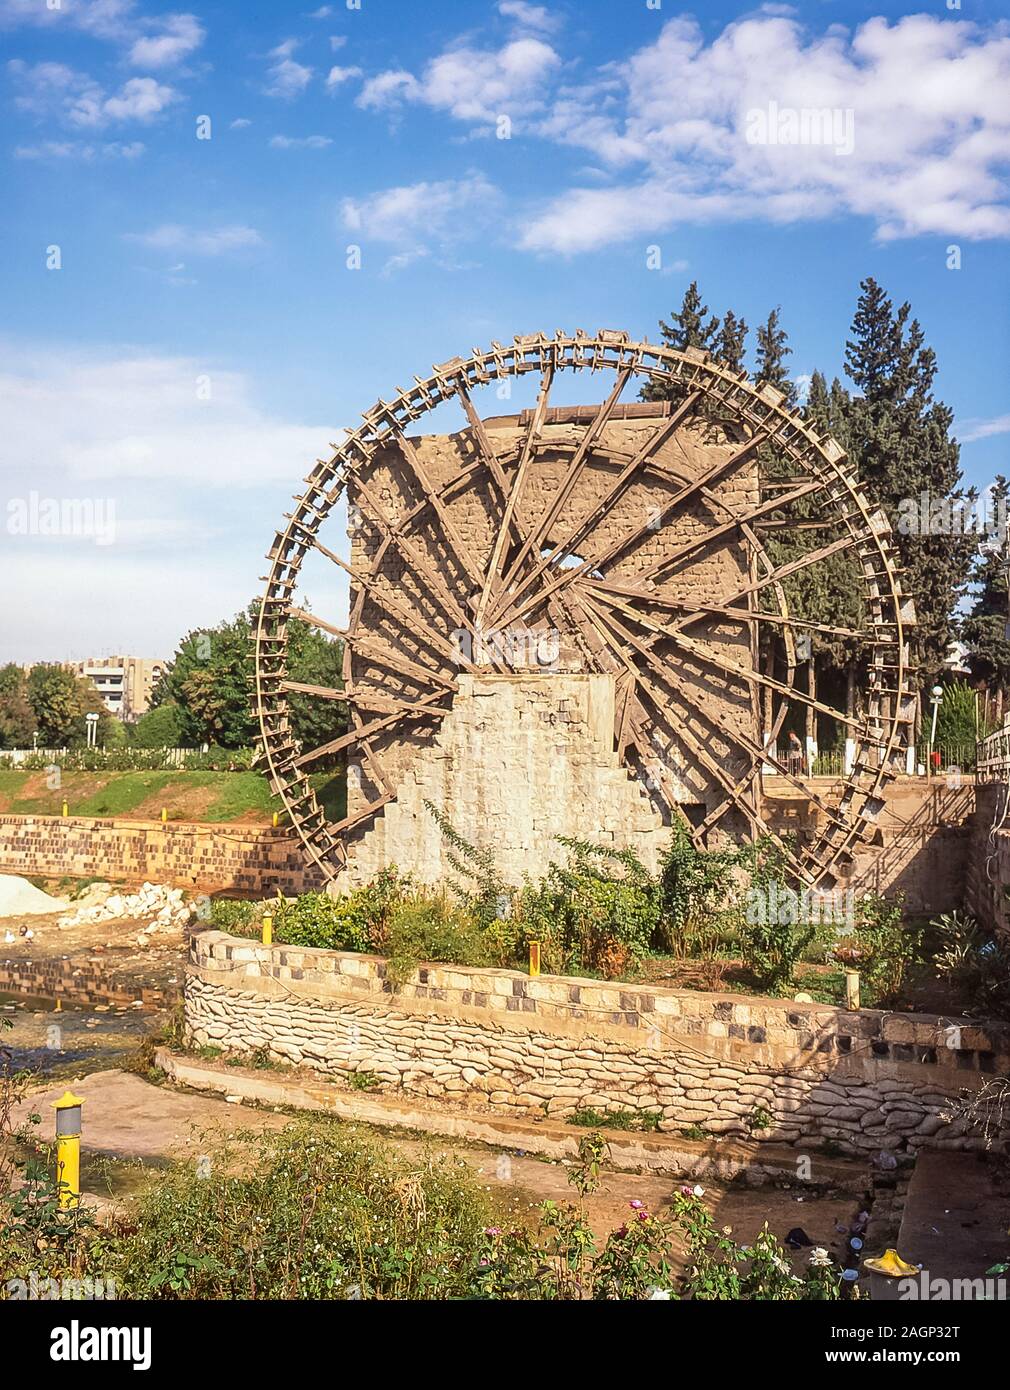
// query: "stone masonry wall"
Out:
[252,860]
[520,760]
[988,879]
[867,1080]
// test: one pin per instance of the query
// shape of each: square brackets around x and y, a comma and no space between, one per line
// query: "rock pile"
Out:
[165,909]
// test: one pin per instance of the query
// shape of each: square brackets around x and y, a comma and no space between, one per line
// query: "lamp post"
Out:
[91,720]
[935,696]
[68,1148]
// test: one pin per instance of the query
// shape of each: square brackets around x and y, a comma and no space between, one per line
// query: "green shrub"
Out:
[357,921]
[481,890]
[697,888]
[234,915]
[431,927]
[974,961]
[772,949]
[882,946]
[315,1211]
[596,913]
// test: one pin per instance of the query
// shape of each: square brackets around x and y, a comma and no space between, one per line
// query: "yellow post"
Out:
[66,809]
[852,989]
[534,957]
[68,1148]
[268,929]
[164,815]
[275,820]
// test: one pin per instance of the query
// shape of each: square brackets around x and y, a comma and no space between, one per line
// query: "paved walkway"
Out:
[957,1215]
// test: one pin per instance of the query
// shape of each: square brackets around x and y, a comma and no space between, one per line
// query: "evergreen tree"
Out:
[899,439]
[688,328]
[984,630]
[772,350]
[731,343]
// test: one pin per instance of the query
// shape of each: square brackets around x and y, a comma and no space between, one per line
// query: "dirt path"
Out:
[126,1117]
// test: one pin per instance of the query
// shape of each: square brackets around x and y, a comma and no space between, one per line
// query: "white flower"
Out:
[657,1294]
[698,1190]
[820,1257]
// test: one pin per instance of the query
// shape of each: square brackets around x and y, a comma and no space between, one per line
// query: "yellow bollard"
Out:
[164,815]
[68,1148]
[852,990]
[534,957]
[66,809]
[275,820]
[268,929]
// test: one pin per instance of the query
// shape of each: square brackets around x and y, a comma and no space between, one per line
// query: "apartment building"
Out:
[125,683]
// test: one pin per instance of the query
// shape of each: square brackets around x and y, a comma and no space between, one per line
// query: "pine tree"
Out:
[772,350]
[688,328]
[984,630]
[899,439]
[731,343]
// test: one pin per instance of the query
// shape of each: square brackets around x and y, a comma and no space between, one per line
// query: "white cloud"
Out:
[72,149]
[919,136]
[307,142]
[179,36]
[53,89]
[217,241]
[471,84]
[388,89]
[973,430]
[286,78]
[337,76]
[105,415]
[104,19]
[140,99]
[414,214]
[402,259]
[192,488]
[240,123]
[530,16]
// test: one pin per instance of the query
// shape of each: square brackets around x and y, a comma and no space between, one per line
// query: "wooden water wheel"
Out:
[643,537]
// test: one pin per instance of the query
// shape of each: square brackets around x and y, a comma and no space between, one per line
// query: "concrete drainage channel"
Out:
[663,1154]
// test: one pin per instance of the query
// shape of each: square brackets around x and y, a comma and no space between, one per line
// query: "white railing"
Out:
[17,756]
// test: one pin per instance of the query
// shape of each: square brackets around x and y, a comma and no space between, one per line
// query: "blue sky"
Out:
[203,337]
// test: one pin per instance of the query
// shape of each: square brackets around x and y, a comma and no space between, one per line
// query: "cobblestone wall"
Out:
[779,1071]
[253,860]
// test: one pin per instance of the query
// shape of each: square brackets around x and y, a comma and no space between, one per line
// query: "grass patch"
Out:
[200,796]
[646,1121]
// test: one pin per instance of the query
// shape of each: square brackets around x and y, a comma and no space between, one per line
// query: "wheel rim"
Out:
[625,601]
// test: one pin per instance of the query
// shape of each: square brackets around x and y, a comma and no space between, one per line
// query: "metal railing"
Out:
[992,759]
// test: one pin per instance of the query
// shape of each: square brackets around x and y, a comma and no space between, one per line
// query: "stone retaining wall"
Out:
[868,1080]
[253,860]
[988,878]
